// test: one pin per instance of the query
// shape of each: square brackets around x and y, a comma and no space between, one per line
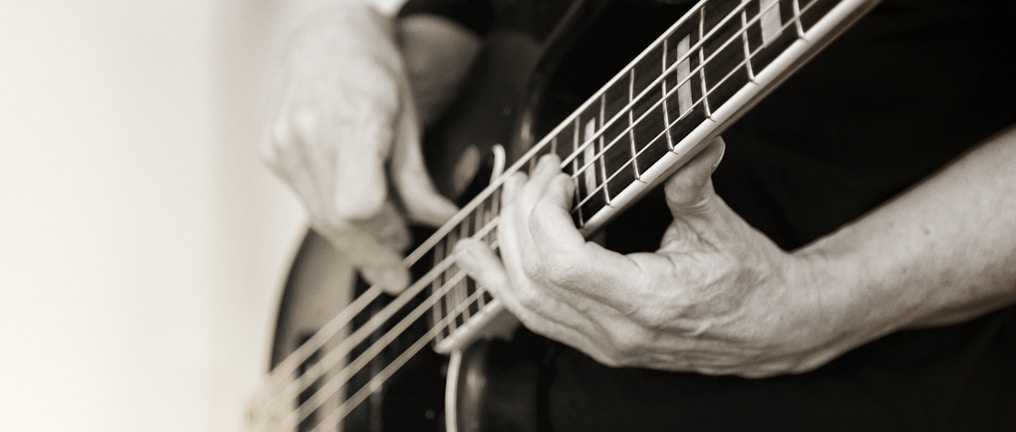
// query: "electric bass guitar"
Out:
[347,357]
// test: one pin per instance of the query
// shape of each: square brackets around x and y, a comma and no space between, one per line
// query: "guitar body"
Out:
[541,60]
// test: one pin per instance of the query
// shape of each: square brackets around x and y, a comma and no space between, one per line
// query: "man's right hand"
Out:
[345,137]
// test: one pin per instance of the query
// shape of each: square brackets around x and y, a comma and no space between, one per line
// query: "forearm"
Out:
[942,252]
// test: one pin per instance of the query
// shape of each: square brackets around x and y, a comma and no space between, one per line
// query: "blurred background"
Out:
[143,243]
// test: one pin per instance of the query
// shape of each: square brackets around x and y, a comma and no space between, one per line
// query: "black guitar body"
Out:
[542,58]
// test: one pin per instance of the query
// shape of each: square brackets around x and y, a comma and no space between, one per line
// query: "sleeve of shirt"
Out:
[476,15]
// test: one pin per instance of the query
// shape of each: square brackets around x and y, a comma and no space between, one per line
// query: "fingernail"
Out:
[464,255]
[394,281]
[549,159]
[719,159]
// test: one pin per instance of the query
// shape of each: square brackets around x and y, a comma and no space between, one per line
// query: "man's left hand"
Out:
[718,297]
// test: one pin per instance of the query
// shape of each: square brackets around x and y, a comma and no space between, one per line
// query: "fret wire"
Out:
[663,88]
[495,206]
[702,60]
[701,99]
[465,305]
[461,289]
[483,217]
[448,300]
[747,48]
[439,255]
[698,46]
[603,130]
[663,99]
[699,70]
[797,18]
[631,121]
[729,74]
[575,152]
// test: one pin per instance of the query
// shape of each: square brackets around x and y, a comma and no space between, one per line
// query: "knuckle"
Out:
[564,268]
[280,134]
[606,359]
[650,318]
[377,83]
[688,195]
[269,152]
[278,149]
[624,345]
[304,121]
[529,298]
[533,266]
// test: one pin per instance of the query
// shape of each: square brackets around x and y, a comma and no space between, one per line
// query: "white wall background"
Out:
[142,241]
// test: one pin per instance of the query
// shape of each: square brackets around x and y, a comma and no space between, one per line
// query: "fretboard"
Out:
[686,88]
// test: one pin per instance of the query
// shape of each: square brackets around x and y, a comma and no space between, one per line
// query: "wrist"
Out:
[855,295]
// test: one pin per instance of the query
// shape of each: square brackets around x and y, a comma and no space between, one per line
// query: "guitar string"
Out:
[601,154]
[738,35]
[363,359]
[342,320]
[692,50]
[594,159]
[334,384]
[625,111]
[331,387]
[337,353]
[336,416]
[364,392]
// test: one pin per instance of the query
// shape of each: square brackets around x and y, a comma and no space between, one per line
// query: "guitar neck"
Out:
[685,89]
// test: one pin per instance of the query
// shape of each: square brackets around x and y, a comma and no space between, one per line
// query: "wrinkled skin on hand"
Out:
[346,138]
[718,297]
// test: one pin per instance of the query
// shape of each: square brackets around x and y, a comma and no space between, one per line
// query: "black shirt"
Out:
[908,88]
